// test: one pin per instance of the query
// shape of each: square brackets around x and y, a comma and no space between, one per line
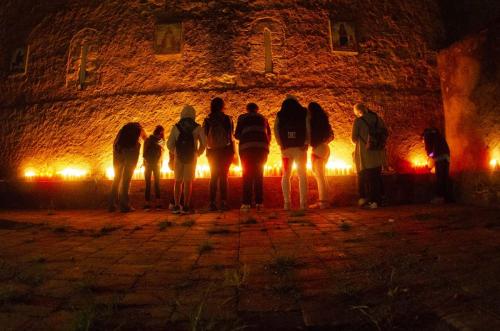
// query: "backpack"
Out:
[218,136]
[185,146]
[292,130]
[377,135]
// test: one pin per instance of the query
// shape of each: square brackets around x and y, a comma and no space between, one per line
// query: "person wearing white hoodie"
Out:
[186,142]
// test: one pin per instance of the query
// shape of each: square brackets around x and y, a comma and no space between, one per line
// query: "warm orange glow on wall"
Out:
[494,164]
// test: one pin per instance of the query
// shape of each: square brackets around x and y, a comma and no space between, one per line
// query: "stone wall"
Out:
[470,76]
[49,120]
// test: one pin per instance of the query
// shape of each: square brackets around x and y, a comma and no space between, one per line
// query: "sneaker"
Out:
[259,207]
[176,210]
[171,206]
[147,206]
[223,206]
[319,205]
[127,209]
[245,208]
[159,207]
[186,210]
[212,207]
[362,202]
[371,205]
[286,206]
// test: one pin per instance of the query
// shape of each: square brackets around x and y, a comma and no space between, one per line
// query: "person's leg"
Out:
[246,180]
[362,186]
[442,173]
[188,188]
[214,176]
[147,178]
[285,180]
[259,178]
[177,192]
[226,163]
[156,175]
[113,197]
[128,172]
[318,168]
[301,160]
[374,175]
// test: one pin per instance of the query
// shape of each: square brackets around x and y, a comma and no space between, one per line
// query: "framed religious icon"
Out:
[19,61]
[343,38]
[168,39]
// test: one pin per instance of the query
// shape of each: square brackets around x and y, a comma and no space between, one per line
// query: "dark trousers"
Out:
[219,161]
[124,163]
[443,180]
[370,184]
[253,161]
[152,169]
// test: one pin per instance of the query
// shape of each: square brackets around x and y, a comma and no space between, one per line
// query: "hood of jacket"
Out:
[188,112]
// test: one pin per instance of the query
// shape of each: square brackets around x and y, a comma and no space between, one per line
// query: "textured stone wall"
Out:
[47,120]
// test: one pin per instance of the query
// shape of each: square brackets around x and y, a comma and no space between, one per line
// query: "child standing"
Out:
[187,141]
[152,154]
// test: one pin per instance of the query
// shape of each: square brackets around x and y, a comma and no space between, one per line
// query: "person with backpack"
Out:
[218,128]
[126,150]
[369,134]
[321,136]
[187,142]
[254,135]
[438,151]
[291,129]
[152,154]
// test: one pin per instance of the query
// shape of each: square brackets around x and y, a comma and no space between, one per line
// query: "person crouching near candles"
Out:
[369,134]
[439,153]
[126,150]
[187,142]
[220,151]
[291,129]
[152,154]
[321,136]
[254,135]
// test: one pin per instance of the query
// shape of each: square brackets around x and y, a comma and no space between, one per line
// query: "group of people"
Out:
[296,128]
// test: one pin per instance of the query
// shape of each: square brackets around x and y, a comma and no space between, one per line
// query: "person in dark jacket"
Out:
[321,136]
[218,129]
[126,149]
[291,129]
[437,149]
[254,135]
[152,154]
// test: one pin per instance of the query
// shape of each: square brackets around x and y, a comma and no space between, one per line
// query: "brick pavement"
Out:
[406,267]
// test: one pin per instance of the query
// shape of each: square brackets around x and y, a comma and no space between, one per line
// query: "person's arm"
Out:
[237,132]
[277,131]
[268,131]
[206,126]
[172,139]
[355,132]
[202,140]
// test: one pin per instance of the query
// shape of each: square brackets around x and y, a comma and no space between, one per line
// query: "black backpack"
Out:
[377,135]
[292,129]
[185,146]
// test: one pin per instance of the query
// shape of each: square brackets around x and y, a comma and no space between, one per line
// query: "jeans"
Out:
[253,161]
[370,184]
[124,163]
[219,161]
[299,156]
[153,169]
[442,180]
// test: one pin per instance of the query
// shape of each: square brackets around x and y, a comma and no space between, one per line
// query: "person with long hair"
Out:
[218,128]
[291,129]
[321,136]
[126,150]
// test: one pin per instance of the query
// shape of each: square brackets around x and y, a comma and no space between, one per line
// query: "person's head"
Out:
[290,104]
[159,132]
[216,105]
[315,109]
[188,112]
[252,108]
[360,109]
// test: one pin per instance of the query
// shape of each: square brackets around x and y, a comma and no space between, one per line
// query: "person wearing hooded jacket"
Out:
[185,156]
